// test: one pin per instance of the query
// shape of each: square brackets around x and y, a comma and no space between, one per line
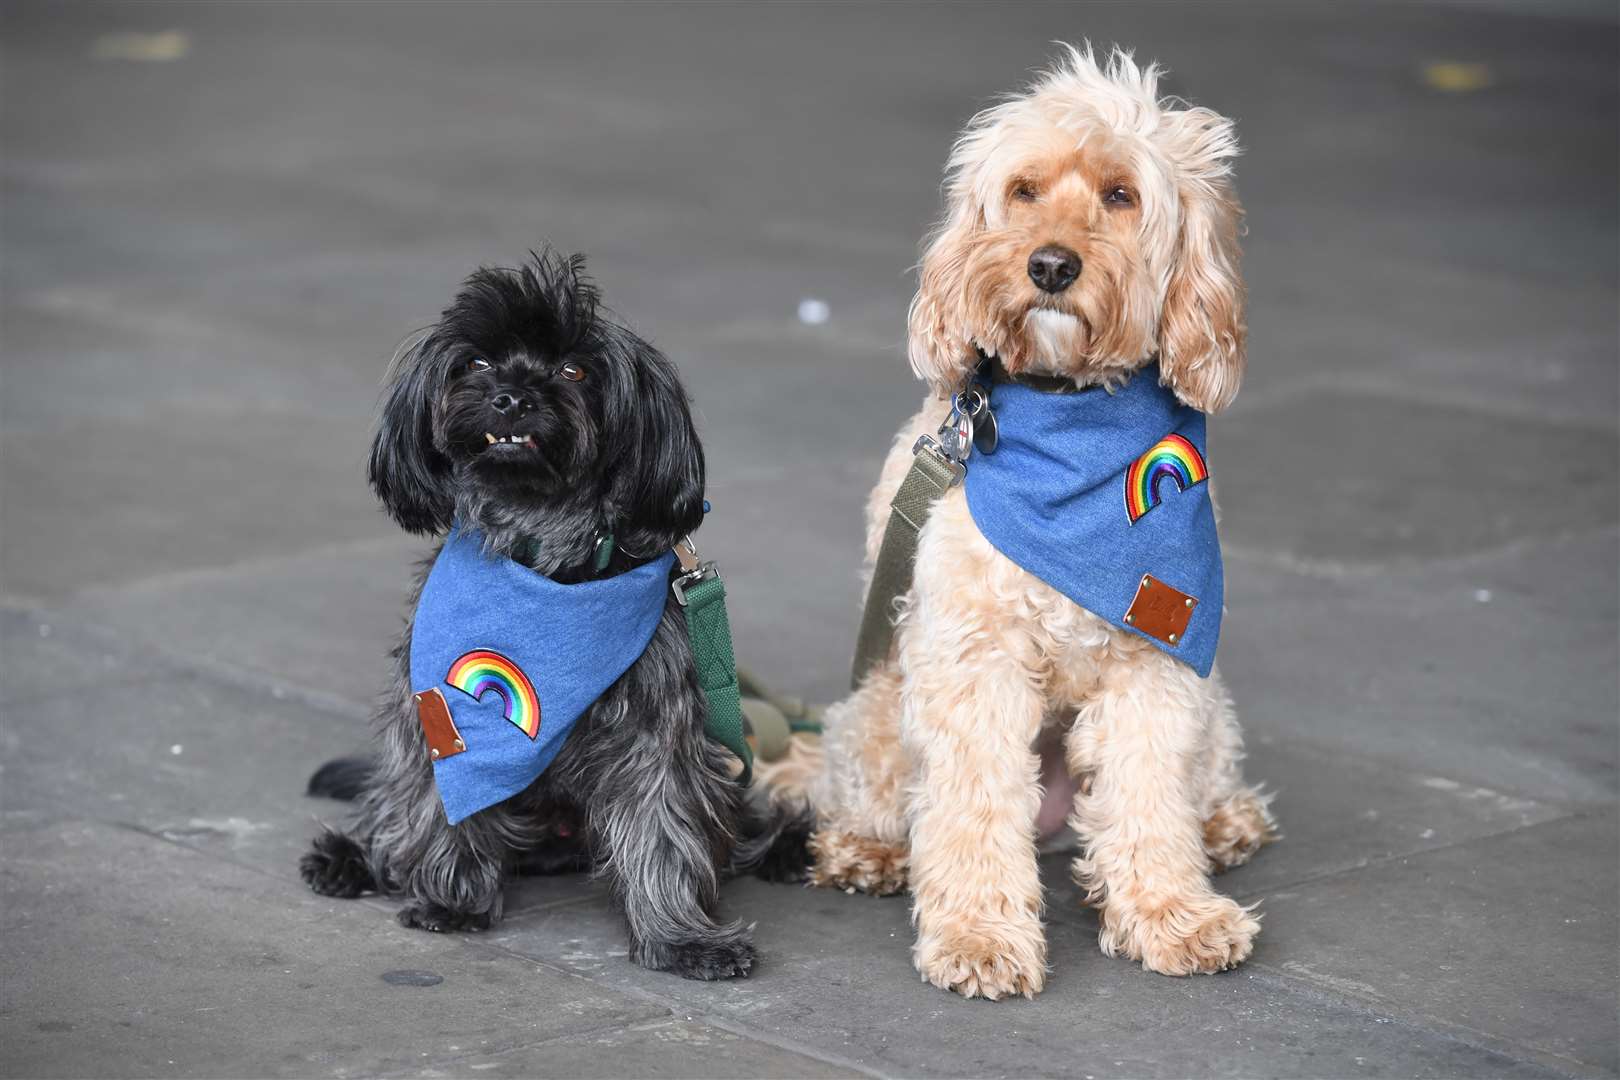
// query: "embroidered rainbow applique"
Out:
[1172,458]
[482,670]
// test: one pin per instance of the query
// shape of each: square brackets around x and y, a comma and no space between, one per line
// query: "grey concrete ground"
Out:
[214,237]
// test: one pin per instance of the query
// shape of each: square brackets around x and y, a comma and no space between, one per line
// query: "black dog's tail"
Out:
[773,837]
[341,778]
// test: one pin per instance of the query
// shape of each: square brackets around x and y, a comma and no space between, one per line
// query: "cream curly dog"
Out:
[932,770]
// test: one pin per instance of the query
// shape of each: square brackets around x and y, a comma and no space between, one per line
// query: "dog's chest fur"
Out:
[1068,642]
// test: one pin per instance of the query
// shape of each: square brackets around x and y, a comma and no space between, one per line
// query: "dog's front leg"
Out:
[656,831]
[1143,743]
[969,717]
[659,808]
[457,885]
[450,876]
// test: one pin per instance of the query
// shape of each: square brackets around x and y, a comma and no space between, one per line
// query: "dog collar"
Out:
[991,370]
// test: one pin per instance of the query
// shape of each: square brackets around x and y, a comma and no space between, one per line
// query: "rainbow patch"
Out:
[482,670]
[1172,458]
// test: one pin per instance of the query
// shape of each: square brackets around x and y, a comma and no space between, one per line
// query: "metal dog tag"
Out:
[956,435]
[986,435]
[974,403]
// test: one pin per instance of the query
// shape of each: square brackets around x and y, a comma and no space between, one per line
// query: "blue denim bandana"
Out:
[518,658]
[1105,498]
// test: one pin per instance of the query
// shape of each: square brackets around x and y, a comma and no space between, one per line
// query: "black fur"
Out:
[775,841]
[341,778]
[339,864]
[638,791]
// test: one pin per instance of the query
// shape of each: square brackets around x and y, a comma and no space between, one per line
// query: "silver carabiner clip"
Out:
[956,433]
[693,569]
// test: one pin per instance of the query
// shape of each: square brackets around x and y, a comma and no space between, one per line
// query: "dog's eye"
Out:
[478,363]
[1024,191]
[571,372]
[1119,196]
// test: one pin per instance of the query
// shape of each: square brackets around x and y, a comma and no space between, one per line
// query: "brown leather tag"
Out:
[442,737]
[1160,611]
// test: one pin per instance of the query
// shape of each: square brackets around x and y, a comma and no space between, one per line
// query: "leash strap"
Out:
[701,592]
[932,474]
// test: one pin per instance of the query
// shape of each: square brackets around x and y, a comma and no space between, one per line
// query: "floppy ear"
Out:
[653,454]
[1203,335]
[938,342]
[407,471]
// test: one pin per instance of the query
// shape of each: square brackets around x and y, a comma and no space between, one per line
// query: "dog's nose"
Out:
[510,404]
[1053,268]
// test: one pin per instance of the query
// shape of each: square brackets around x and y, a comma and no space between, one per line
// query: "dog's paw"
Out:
[1198,936]
[789,858]
[1237,828]
[787,862]
[441,920]
[846,861]
[336,866]
[991,966]
[727,954]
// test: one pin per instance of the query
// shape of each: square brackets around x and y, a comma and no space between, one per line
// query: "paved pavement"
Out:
[215,232]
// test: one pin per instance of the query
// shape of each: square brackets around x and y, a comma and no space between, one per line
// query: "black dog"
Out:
[530,415]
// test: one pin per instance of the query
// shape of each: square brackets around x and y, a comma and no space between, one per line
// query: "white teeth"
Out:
[491,438]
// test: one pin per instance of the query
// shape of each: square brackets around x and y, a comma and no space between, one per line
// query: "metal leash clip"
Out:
[956,433]
[693,571]
[953,443]
[926,444]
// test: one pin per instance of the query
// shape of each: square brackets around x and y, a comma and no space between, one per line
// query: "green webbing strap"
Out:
[932,475]
[710,631]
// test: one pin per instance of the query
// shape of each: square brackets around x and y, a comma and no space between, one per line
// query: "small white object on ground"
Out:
[1482,595]
[813,312]
[177,749]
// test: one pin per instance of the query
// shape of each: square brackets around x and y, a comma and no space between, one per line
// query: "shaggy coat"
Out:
[1089,227]
[530,415]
